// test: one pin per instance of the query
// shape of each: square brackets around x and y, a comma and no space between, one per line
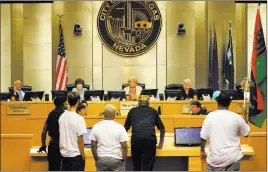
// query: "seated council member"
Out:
[133,90]
[79,87]
[17,94]
[188,92]
[197,109]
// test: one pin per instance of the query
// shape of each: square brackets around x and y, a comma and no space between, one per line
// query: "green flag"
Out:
[258,80]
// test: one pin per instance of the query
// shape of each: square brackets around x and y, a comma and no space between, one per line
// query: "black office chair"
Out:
[24,88]
[71,86]
[174,87]
[139,84]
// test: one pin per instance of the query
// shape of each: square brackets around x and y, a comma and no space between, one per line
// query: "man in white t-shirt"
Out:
[108,138]
[223,129]
[72,127]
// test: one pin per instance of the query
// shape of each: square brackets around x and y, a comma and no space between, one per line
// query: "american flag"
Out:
[61,68]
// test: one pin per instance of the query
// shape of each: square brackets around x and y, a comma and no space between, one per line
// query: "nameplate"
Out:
[126,106]
[17,109]
[186,108]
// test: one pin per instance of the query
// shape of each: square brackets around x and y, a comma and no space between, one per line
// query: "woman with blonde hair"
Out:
[188,92]
[133,90]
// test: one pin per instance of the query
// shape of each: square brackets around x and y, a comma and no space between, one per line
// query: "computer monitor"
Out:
[113,95]
[59,93]
[174,94]
[33,95]
[187,136]
[232,93]
[92,95]
[4,96]
[87,138]
[149,92]
[204,92]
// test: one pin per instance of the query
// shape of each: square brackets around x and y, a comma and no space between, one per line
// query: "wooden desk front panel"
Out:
[15,152]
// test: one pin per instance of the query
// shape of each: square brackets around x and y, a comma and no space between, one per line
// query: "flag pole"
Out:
[246,88]
[60,16]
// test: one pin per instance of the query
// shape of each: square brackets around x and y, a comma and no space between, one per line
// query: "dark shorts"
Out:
[73,163]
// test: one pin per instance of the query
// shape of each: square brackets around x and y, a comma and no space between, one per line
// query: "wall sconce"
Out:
[181,29]
[77,30]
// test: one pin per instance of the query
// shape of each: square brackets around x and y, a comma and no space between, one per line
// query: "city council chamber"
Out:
[133,85]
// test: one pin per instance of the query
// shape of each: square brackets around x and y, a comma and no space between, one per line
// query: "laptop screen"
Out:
[87,139]
[187,136]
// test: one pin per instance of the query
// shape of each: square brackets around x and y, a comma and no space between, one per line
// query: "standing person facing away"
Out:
[223,128]
[143,120]
[52,127]
[108,138]
[72,127]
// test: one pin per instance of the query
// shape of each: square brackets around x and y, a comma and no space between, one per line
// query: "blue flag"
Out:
[210,53]
[228,64]
[213,63]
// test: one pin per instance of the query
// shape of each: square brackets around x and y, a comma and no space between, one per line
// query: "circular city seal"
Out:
[129,28]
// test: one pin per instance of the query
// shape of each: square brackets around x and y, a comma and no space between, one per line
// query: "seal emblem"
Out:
[129,28]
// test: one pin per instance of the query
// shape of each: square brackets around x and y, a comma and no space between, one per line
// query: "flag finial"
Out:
[60,16]
[230,23]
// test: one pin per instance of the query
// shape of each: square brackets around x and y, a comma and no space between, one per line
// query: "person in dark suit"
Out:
[188,92]
[52,127]
[143,120]
[17,94]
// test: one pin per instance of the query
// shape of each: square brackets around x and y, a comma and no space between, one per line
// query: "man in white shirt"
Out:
[72,127]
[108,138]
[223,128]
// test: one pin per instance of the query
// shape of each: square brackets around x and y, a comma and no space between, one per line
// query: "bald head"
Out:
[109,111]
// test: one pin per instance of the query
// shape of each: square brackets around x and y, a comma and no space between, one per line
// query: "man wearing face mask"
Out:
[17,94]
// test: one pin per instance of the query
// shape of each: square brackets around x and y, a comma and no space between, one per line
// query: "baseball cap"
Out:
[216,94]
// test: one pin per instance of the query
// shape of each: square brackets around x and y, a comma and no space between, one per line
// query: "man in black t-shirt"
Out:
[52,128]
[143,120]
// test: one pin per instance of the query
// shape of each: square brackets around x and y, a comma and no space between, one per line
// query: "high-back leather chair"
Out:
[24,88]
[139,84]
[174,87]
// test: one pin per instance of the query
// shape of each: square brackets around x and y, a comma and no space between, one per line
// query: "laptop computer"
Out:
[187,136]
[87,138]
